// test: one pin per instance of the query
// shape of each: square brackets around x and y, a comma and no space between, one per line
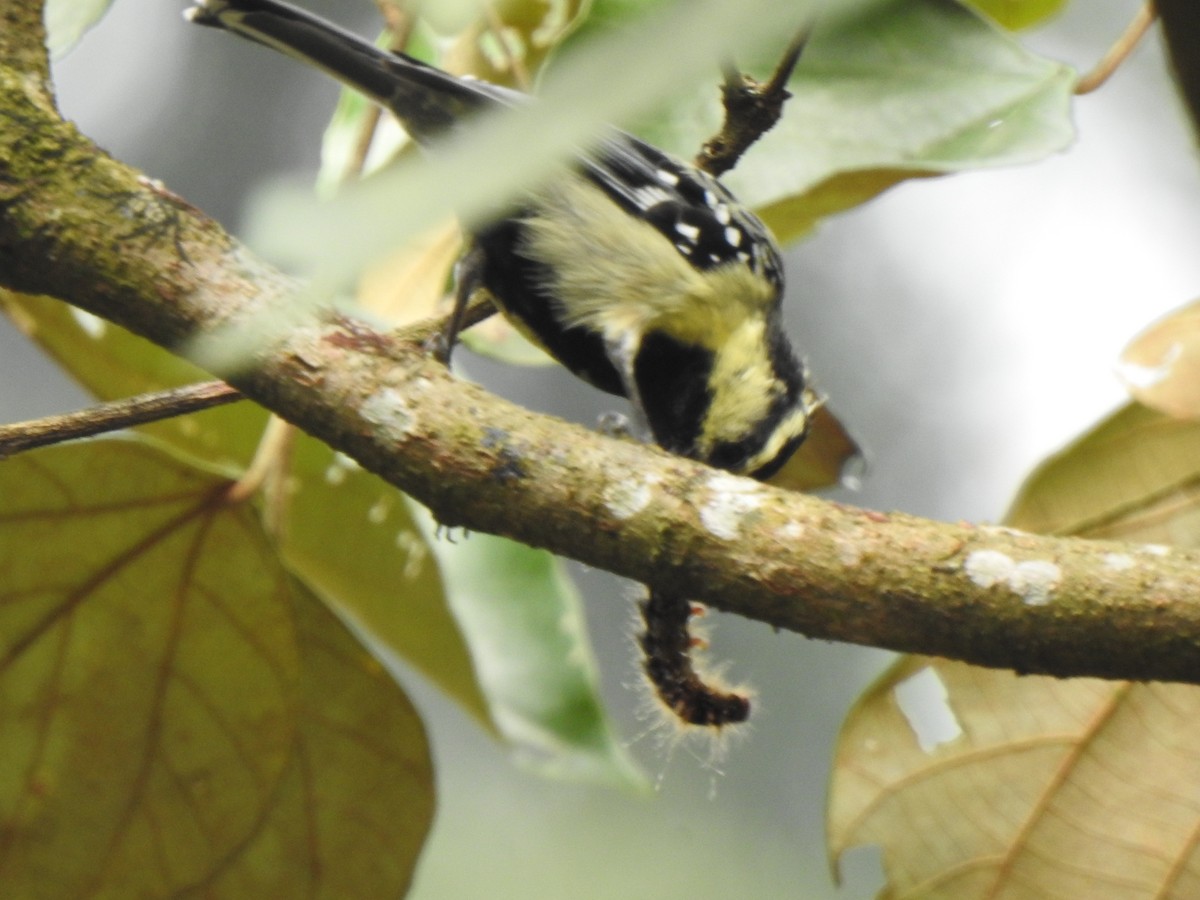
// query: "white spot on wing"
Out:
[666,176]
[690,232]
[723,215]
[733,236]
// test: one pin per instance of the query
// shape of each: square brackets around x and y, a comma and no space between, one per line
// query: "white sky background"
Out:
[963,327]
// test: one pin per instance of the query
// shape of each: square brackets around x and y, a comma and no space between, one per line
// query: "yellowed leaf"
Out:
[1161,366]
[1016,14]
[350,537]
[409,284]
[355,803]
[985,784]
[981,783]
[1132,477]
[177,716]
[148,673]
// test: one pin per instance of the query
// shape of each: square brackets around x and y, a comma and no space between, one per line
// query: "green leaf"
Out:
[1132,477]
[524,623]
[360,571]
[1017,14]
[905,88]
[67,20]
[355,804]
[148,673]
[176,711]
[350,537]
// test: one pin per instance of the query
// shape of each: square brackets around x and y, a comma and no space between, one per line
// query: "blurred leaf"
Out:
[113,363]
[823,459]
[524,623]
[1161,366]
[67,20]
[1016,14]
[905,88]
[341,144]
[350,537]
[355,803]
[1132,477]
[148,673]
[410,284]
[981,783]
[509,44]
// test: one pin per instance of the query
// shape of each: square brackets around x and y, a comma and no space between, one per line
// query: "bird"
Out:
[636,270]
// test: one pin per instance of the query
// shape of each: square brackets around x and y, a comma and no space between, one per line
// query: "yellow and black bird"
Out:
[637,271]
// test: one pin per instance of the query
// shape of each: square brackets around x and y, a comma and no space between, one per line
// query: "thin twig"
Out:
[751,108]
[114,416]
[1119,51]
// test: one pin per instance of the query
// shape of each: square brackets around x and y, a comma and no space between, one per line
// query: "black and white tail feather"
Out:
[638,272]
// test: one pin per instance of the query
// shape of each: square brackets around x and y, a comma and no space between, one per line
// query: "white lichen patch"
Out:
[1034,581]
[986,568]
[388,410]
[849,552]
[791,532]
[1155,549]
[732,499]
[1118,562]
[625,499]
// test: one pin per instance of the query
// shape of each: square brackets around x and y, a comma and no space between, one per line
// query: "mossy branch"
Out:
[78,225]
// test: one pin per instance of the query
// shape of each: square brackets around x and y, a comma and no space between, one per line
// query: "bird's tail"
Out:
[425,99]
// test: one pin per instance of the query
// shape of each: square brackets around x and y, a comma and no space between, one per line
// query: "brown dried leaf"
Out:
[1021,787]
[1040,787]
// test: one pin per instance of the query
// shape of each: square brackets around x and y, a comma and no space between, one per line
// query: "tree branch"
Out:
[69,215]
